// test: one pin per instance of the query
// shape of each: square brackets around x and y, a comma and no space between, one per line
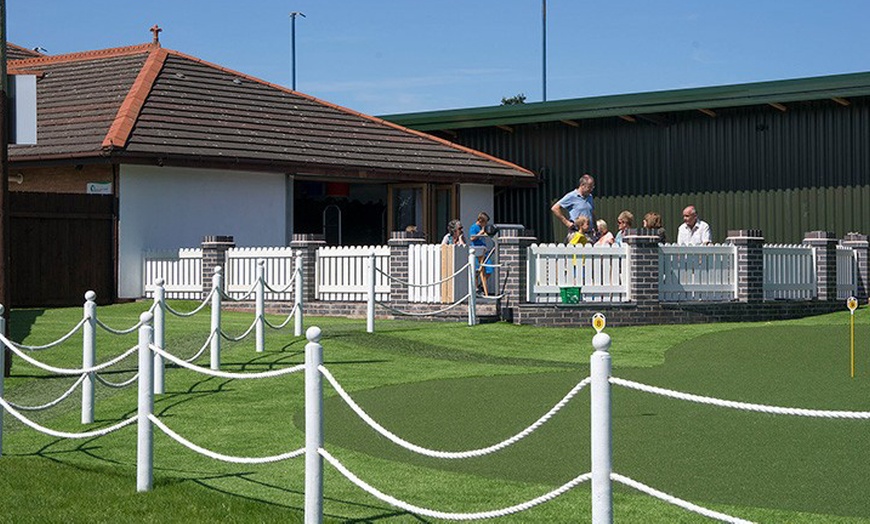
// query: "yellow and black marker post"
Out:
[852,304]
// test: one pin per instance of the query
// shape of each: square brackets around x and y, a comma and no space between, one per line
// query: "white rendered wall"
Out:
[170,208]
[474,198]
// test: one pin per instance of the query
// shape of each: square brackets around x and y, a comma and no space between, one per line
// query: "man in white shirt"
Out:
[692,231]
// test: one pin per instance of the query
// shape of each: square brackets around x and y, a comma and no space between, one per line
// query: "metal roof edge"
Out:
[791,90]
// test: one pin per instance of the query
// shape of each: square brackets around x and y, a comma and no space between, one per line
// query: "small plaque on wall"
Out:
[99,188]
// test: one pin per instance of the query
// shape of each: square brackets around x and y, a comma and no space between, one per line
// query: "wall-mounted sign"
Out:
[99,188]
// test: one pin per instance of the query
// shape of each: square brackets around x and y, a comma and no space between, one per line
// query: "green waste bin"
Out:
[570,295]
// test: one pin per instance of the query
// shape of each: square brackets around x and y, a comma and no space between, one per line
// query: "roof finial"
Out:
[156,30]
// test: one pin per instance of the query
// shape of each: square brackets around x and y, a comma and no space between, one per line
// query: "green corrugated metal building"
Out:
[785,156]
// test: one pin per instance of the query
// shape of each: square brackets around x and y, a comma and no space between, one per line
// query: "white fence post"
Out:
[297,297]
[472,289]
[2,368]
[145,443]
[602,453]
[216,286]
[370,290]
[159,333]
[89,356]
[313,428]
[261,305]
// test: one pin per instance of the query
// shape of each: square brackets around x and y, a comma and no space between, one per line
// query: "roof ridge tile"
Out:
[128,113]
[82,55]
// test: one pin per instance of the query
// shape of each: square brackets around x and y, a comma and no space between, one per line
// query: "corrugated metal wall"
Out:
[807,168]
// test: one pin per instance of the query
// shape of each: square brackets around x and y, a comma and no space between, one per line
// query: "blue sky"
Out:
[393,56]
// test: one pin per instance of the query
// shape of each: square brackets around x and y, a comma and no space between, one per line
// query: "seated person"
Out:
[605,237]
[454,234]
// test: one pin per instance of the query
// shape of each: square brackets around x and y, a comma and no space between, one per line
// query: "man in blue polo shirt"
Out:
[577,202]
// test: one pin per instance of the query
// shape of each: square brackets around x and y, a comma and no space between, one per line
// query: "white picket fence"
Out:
[789,272]
[240,271]
[425,267]
[341,274]
[847,272]
[180,269]
[601,273]
[689,273]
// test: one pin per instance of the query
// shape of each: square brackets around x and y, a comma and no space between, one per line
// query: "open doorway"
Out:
[346,214]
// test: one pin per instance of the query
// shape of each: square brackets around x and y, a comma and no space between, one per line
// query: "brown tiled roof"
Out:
[149,104]
[16,52]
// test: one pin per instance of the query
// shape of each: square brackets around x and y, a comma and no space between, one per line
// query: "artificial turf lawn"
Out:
[700,453]
[476,386]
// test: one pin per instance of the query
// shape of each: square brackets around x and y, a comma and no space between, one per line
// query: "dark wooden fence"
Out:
[62,246]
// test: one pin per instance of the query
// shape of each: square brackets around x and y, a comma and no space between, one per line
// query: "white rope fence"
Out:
[118,385]
[224,374]
[197,309]
[57,342]
[744,406]
[118,331]
[54,402]
[670,499]
[371,271]
[63,434]
[219,456]
[65,371]
[392,437]
[368,488]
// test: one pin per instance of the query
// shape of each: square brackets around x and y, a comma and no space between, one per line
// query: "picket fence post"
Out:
[145,443]
[472,288]
[261,305]
[159,334]
[313,427]
[370,287]
[2,364]
[601,434]
[297,328]
[89,356]
[216,286]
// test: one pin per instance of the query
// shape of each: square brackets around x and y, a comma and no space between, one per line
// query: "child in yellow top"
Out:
[581,225]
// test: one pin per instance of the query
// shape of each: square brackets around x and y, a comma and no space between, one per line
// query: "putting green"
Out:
[697,452]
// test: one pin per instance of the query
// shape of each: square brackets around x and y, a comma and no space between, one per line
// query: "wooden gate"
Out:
[62,245]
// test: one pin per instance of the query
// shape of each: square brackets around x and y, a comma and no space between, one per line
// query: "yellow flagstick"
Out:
[852,304]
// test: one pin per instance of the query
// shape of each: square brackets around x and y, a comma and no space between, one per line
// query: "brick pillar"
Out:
[750,263]
[214,253]
[513,255]
[643,265]
[400,242]
[826,262]
[859,244]
[307,245]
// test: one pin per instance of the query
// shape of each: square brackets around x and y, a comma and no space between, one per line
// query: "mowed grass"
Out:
[451,387]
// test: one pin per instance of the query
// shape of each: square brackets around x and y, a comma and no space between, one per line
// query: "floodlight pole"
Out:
[293,16]
[544,53]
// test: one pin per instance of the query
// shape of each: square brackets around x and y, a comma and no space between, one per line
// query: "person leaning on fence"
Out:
[693,232]
[624,221]
[605,237]
[577,202]
[578,236]
[454,234]
[477,235]
[653,220]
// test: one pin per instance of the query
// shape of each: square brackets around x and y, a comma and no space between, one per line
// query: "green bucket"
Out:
[570,295]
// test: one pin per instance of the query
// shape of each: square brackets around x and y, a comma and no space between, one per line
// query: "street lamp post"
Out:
[293,16]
